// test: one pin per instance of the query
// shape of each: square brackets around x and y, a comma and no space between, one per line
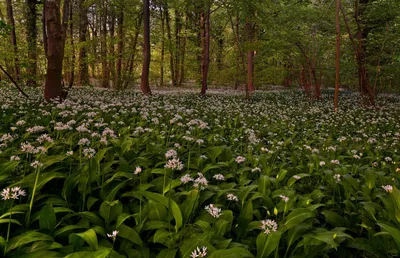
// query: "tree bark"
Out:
[183,54]
[144,84]
[44,32]
[178,28]
[120,47]
[337,79]
[129,69]
[11,22]
[112,47]
[105,82]
[71,36]
[83,64]
[56,39]
[205,39]
[171,52]
[162,47]
[31,38]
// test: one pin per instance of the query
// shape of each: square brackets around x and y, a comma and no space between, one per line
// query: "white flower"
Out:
[84,141]
[213,211]
[113,235]
[201,182]
[89,152]
[16,158]
[219,177]
[335,161]
[256,169]
[388,188]
[232,197]
[199,252]
[174,164]
[186,179]
[69,153]
[137,170]
[12,193]
[36,164]
[322,163]
[337,177]
[284,198]
[171,154]
[269,226]
[240,159]
[296,177]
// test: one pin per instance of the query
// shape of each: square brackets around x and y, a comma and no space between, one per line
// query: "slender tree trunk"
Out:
[112,47]
[105,82]
[171,52]
[183,54]
[44,32]
[162,47]
[11,22]
[129,69]
[178,27]
[250,55]
[56,39]
[71,36]
[31,37]
[120,47]
[144,84]
[205,38]
[337,81]
[83,64]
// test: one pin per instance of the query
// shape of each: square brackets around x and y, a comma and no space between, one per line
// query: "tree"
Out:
[10,17]
[83,76]
[205,13]
[56,33]
[31,38]
[144,85]
[337,80]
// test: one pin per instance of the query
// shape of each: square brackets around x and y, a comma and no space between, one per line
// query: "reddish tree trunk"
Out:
[105,82]
[55,42]
[71,35]
[162,48]
[144,85]
[337,81]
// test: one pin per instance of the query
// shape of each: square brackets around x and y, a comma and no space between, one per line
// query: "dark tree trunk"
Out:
[183,54]
[250,55]
[71,36]
[105,82]
[144,84]
[56,31]
[11,22]
[44,32]
[337,79]
[31,37]
[129,69]
[205,39]
[178,27]
[120,48]
[162,48]
[171,52]
[83,64]
[112,47]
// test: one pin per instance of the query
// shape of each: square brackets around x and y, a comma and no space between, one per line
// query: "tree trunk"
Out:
[120,47]
[129,69]
[205,39]
[83,64]
[250,55]
[171,52]
[31,37]
[44,32]
[56,40]
[337,80]
[11,22]
[178,27]
[162,48]
[71,36]
[112,47]
[144,84]
[183,54]
[105,82]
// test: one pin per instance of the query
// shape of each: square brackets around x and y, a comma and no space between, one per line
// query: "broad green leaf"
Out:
[130,234]
[296,217]
[394,232]
[90,238]
[168,203]
[47,218]
[66,229]
[231,253]
[333,218]
[266,244]
[167,253]
[110,210]
[26,238]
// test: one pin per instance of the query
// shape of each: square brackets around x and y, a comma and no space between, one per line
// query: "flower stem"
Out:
[33,196]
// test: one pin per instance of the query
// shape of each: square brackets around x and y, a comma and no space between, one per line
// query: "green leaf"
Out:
[26,238]
[66,229]
[266,244]
[168,203]
[47,218]
[333,218]
[90,238]
[296,217]
[245,217]
[157,211]
[122,217]
[130,234]
[167,253]
[161,235]
[232,253]
[43,254]
[110,210]
[394,232]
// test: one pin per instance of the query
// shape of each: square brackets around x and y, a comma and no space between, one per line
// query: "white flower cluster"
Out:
[269,226]
[213,211]
[12,193]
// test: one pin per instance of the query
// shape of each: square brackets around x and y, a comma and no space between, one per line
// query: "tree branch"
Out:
[16,85]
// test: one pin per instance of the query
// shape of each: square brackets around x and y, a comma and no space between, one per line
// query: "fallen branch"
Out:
[16,85]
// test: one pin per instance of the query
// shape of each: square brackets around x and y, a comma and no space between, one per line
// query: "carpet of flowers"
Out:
[116,174]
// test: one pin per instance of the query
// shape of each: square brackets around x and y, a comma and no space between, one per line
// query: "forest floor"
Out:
[115,174]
